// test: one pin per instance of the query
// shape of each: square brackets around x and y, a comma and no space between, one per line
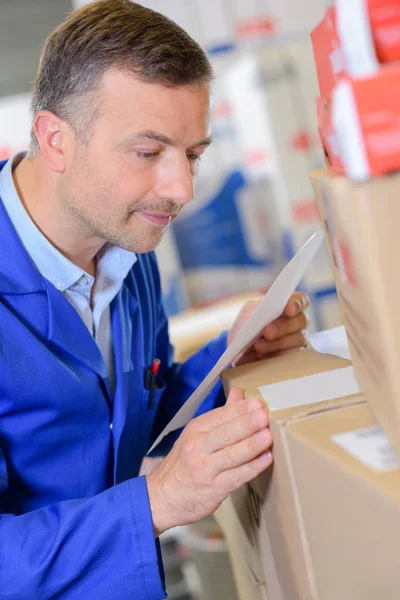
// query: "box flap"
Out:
[290,365]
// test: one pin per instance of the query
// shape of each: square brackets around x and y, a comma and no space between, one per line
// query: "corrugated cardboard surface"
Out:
[275,509]
[361,222]
[234,519]
[351,514]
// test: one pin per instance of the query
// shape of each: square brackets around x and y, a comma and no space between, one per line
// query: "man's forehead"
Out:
[136,106]
[126,86]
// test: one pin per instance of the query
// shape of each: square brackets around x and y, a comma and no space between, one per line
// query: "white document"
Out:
[371,447]
[332,341]
[270,308]
[310,389]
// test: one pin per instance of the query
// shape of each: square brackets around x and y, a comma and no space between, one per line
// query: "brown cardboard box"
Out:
[362,227]
[351,512]
[279,531]
[233,517]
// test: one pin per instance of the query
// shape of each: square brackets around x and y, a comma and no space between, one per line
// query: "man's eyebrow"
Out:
[155,136]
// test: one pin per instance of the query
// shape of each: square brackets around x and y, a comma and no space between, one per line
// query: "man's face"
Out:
[137,171]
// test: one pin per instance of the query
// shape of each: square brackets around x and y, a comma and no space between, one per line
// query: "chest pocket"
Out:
[154,387]
[153,390]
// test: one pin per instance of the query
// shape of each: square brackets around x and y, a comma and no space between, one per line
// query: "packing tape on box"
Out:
[315,388]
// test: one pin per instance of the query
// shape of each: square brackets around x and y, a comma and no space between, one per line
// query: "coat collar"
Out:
[23,279]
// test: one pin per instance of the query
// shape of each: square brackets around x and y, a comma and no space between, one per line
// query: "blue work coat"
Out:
[75,520]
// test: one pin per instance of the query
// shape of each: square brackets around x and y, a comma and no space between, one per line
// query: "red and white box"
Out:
[360,126]
[355,38]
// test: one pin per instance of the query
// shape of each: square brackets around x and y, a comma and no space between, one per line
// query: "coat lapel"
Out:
[51,315]
[68,331]
[127,335]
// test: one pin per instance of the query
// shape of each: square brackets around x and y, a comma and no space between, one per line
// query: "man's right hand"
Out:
[215,454]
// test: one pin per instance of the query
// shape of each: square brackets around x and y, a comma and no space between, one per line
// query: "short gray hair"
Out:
[106,34]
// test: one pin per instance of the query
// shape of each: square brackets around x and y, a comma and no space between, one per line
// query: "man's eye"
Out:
[194,157]
[147,155]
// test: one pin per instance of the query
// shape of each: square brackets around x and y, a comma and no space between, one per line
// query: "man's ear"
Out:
[52,133]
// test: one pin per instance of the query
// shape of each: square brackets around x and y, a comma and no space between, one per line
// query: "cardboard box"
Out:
[355,37]
[356,47]
[279,532]
[348,484]
[360,125]
[233,517]
[361,222]
[318,179]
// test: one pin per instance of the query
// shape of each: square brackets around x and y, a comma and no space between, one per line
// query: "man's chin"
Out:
[145,245]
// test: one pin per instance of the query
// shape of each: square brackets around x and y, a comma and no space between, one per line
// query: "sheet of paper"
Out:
[311,389]
[332,341]
[269,309]
[371,447]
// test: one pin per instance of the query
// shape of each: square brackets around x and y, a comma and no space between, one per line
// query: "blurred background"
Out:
[254,205]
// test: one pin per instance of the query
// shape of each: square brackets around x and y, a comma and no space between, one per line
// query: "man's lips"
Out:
[161,220]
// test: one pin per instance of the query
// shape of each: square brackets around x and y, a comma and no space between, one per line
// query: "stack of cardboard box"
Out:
[324,522]
[356,50]
[361,222]
[325,519]
[361,212]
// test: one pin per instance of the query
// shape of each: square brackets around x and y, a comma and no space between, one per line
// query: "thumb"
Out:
[235,395]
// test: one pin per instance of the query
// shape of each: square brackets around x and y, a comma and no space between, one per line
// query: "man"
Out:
[121,109]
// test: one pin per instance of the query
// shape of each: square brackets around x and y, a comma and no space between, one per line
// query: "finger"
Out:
[293,340]
[219,416]
[298,302]
[235,395]
[242,452]
[234,478]
[284,326]
[234,431]
[251,355]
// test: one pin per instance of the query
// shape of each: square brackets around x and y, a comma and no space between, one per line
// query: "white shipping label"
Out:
[371,447]
[311,389]
[331,341]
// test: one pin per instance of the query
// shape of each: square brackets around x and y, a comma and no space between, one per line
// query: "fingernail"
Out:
[306,336]
[305,301]
[271,331]
[253,405]
[300,306]
[266,457]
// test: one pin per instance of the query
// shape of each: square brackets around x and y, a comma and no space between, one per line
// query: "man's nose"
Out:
[176,181]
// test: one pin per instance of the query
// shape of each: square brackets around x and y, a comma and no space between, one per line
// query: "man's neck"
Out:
[37,189]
